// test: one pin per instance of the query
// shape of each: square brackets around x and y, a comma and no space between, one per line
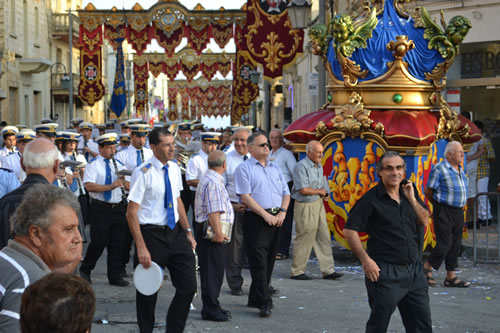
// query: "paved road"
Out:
[313,306]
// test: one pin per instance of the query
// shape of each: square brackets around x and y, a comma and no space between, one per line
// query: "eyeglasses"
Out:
[262,145]
[391,168]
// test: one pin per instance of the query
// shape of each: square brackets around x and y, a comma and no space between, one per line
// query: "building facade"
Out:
[35,63]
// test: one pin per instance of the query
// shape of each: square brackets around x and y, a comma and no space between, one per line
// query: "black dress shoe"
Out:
[123,274]
[273,291]
[226,312]
[119,283]
[333,276]
[265,311]
[219,317]
[236,292]
[302,277]
[258,306]
[86,276]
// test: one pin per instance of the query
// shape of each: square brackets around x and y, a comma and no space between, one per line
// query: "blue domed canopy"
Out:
[374,58]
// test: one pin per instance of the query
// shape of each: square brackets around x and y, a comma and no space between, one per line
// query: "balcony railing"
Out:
[60,83]
[60,24]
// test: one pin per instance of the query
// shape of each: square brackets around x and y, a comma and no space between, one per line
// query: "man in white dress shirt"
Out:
[87,147]
[13,162]
[9,141]
[286,161]
[161,231]
[136,153]
[236,252]
[107,211]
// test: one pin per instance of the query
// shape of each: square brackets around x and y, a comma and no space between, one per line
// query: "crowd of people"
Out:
[134,184]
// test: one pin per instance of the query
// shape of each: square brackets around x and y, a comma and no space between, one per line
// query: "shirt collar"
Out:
[310,162]
[156,162]
[254,161]
[217,175]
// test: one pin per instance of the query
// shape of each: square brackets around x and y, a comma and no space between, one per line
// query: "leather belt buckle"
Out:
[273,210]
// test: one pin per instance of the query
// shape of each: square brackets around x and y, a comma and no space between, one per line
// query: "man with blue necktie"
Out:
[9,141]
[133,156]
[159,225]
[86,145]
[107,211]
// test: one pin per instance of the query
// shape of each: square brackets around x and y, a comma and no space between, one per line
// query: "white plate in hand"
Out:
[148,281]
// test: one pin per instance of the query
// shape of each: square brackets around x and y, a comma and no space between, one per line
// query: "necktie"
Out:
[11,151]
[87,155]
[245,158]
[107,194]
[169,202]
[139,159]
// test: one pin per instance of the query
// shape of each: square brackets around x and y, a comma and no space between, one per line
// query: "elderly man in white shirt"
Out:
[286,161]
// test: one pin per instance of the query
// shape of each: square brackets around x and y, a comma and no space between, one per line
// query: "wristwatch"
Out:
[188,230]
[282,209]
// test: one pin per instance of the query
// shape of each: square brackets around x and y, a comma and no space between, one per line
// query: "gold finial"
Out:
[400,46]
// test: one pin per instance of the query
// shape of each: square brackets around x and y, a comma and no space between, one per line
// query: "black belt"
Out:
[273,211]
[108,204]
[155,226]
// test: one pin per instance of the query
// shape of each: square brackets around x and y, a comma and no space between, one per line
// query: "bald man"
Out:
[309,190]
[40,161]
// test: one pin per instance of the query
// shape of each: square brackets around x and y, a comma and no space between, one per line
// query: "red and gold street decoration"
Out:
[202,98]
[244,91]
[90,88]
[269,38]
[141,74]
[189,63]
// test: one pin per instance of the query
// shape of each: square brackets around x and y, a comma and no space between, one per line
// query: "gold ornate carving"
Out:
[449,124]
[137,7]
[90,22]
[351,120]
[90,7]
[400,46]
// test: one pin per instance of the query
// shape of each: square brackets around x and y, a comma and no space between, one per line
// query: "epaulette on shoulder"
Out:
[146,168]
[119,161]
[195,154]
[8,170]
[226,149]
[92,160]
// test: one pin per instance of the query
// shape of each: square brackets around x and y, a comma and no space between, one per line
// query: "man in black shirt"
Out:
[394,217]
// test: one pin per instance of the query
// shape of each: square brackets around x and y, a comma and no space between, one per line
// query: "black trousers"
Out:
[84,201]
[261,241]
[212,260]
[402,286]
[107,229]
[186,195]
[236,254]
[168,248]
[287,226]
[448,227]
[127,246]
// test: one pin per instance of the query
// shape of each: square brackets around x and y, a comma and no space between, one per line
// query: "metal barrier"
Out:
[487,259]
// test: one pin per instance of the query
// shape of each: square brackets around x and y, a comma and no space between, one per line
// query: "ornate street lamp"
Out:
[299,12]
[254,76]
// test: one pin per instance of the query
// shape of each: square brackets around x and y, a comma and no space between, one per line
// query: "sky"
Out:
[189,4]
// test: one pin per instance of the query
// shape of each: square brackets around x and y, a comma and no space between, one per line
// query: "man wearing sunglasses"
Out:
[394,217]
[263,189]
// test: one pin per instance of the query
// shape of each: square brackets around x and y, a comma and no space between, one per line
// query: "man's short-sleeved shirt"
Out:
[128,156]
[265,184]
[212,197]
[13,162]
[308,174]
[234,159]
[449,185]
[95,172]
[8,181]
[196,167]
[285,160]
[483,169]
[147,188]
[394,235]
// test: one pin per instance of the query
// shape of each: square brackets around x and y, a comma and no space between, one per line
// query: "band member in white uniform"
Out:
[13,162]
[9,141]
